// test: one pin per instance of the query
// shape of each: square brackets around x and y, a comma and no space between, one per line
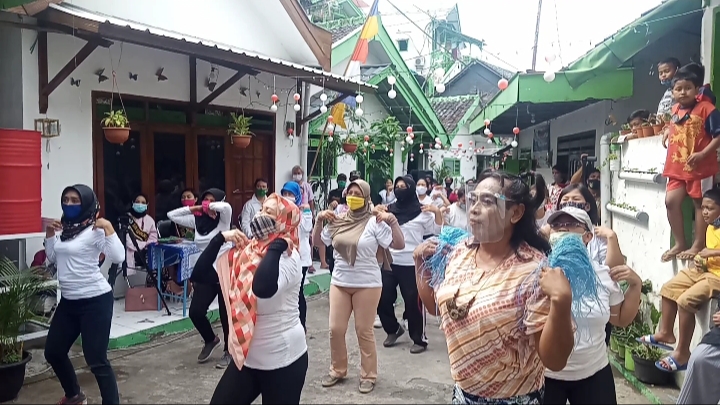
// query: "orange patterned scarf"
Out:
[236,270]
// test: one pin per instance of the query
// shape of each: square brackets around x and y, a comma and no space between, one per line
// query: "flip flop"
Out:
[668,257]
[650,341]
[685,256]
[674,367]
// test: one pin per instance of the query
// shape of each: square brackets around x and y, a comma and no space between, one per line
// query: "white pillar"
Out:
[706,37]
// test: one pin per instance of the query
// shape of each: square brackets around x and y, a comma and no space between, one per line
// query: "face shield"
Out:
[486,212]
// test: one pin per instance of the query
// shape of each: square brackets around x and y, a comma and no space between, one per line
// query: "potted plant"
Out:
[646,130]
[629,362]
[239,130]
[614,145]
[19,296]
[350,144]
[625,129]
[657,124]
[667,117]
[645,357]
[116,126]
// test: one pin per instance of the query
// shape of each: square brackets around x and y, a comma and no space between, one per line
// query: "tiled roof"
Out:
[450,110]
[339,33]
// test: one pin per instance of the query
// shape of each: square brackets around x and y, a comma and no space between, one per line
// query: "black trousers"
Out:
[203,296]
[302,304]
[281,386]
[598,389]
[90,318]
[404,276]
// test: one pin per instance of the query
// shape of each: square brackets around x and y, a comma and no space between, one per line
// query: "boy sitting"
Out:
[691,162]
[685,293]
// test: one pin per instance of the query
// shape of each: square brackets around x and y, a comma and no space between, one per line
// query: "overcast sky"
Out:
[568,28]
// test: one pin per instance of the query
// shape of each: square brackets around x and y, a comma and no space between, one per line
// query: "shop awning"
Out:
[113,28]
[529,99]
[616,50]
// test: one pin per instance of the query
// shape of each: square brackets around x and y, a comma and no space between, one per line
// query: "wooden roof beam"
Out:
[221,89]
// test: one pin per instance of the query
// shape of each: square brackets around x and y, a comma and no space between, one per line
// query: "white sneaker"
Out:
[377,323]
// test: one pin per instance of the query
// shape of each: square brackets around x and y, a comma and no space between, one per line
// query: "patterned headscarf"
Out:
[236,270]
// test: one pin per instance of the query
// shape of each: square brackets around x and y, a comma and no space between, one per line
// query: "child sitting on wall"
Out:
[691,162]
[685,293]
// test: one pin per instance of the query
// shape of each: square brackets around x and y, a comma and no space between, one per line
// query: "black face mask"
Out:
[402,194]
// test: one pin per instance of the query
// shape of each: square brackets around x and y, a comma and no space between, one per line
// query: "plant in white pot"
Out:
[19,295]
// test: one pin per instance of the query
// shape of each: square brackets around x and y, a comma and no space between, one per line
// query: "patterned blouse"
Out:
[492,350]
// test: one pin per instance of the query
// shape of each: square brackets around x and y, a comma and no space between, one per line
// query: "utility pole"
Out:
[537,35]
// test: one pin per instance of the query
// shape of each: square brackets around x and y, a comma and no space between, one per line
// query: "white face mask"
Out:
[421,190]
[297,177]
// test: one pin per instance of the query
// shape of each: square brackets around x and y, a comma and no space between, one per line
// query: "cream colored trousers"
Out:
[363,303]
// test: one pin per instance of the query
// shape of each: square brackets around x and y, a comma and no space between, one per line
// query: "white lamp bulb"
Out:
[359,112]
[273,107]
[514,144]
[323,97]
[359,98]
[486,131]
[391,80]
[296,107]
[323,109]
[392,94]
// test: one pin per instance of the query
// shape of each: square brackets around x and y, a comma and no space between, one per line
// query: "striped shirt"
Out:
[492,350]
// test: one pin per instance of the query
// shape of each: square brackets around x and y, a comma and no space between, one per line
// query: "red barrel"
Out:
[20,182]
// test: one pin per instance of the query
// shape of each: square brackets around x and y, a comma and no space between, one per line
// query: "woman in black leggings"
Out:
[260,279]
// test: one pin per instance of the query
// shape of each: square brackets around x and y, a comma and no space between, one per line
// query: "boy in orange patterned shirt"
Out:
[691,164]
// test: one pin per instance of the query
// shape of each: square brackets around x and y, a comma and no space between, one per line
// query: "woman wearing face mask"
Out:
[542,212]
[356,282]
[291,192]
[187,199]
[587,378]
[85,309]
[387,196]
[209,219]
[416,220]
[143,230]
[494,326]
[260,279]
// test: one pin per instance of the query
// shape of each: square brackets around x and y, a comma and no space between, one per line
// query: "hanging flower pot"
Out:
[349,147]
[116,127]
[239,130]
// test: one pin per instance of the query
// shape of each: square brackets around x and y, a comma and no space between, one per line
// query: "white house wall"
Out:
[467,166]
[69,160]
[260,26]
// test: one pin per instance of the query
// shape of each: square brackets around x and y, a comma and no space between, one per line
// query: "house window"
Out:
[453,165]
[402,45]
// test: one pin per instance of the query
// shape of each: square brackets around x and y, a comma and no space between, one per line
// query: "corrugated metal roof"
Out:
[80,12]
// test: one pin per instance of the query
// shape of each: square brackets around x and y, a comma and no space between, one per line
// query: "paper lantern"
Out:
[516,130]
[549,76]
[503,84]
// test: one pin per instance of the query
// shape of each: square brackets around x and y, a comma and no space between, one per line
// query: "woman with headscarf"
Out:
[260,279]
[291,191]
[502,330]
[85,309]
[416,220]
[357,237]
[142,230]
[209,219]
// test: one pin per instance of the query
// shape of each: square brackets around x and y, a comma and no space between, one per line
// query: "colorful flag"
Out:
[338,113]
[368,32]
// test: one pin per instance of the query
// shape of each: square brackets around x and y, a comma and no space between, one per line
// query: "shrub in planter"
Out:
[350,144]
[239,130]
[116,127]
[644,357]
[20,295]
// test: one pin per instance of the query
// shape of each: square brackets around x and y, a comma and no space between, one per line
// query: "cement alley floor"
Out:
[166,372]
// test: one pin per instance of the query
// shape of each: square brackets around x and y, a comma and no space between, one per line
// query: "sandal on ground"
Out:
[330,381]
[366,386]
[670,361]
[650,341]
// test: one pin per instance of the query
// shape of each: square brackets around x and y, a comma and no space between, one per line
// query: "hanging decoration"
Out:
[274,98]
[439,88]
[391,152]
[486,131]
[366,140]
[391,93]
[358,110]
[116,126]
[503,84]
[296,97]
[549,76]
[323,99]
[421,149]
[550,58]
[410,135]
[412,157]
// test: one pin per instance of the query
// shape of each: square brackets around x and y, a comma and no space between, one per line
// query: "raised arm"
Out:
[624,308]
[422,276]
[224,210]
[208,256]
[107,241]
[183,216]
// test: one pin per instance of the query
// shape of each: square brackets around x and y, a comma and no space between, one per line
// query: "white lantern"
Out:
[296,107]
[365,143]
[440,88]
[359,98]
[550,58]
[408,139]
[486,131]
[420,152]
[392,94]
[330,138]
[391,80]
[549,76]
[359,112]
[273,107]
[323,109]
[438,146]
[402,148]
[323,97]
[514,144]
[437,140]
[489,140]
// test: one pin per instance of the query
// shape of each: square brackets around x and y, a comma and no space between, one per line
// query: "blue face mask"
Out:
[71,211]
[666,83]
[139,208]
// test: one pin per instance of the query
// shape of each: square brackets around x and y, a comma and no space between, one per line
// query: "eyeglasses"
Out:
[567,225]
[486,199]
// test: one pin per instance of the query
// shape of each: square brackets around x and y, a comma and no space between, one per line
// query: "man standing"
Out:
[335,196]
[253,206]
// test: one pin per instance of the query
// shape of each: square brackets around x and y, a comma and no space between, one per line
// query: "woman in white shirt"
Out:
[456,215]
[210,218]
[416,221]
[260,279]
[85,309]
[587,378]
[387,196]
[291,191]
[356,282]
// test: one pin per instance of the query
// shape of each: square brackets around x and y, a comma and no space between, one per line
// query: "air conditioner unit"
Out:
[420,62]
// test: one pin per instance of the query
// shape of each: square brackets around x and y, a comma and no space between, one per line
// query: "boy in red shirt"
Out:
[691,164]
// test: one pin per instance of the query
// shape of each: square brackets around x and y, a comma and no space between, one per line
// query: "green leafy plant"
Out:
[115,119]
[440,171]
[625,206]
[625,127]
[239,125]
[647,352]
[19,296]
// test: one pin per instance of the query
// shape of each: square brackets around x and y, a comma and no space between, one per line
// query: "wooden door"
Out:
[246,165]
